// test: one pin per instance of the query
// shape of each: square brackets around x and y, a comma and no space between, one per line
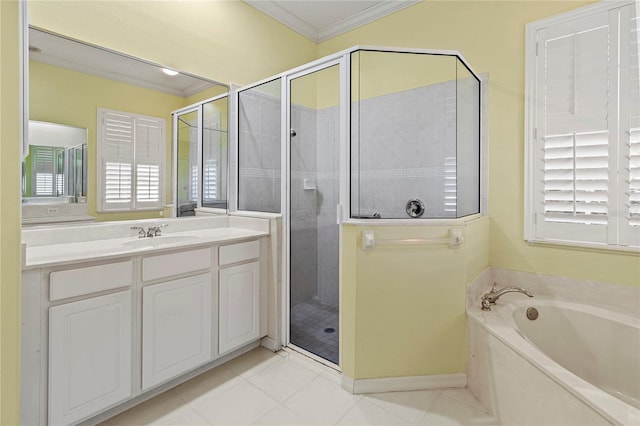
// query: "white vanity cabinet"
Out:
[90,353]
[98,333]
[176,328]
[240,295]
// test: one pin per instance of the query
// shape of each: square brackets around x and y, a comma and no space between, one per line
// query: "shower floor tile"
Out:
[311,325]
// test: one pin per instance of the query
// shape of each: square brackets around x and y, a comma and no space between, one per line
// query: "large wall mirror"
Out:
[69,80]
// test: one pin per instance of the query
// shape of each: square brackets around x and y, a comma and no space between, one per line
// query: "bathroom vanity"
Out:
[107,320]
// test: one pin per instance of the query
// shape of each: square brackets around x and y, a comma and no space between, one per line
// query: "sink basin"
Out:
[159,241]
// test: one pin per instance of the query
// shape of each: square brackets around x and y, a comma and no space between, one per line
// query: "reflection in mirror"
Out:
[187,128]
[203,124]
[55,168]
[214,154]
[69,80]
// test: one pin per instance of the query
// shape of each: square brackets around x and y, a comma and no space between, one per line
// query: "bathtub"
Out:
[573,365]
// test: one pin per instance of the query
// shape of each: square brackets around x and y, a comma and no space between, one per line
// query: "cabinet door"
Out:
[176,328]
[90,356]
[239,305]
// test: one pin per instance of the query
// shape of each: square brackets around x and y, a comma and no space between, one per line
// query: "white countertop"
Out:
[101,249]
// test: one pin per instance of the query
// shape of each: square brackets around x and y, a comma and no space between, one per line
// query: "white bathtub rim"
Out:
[500,324]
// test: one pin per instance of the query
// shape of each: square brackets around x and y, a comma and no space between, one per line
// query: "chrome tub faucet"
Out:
[494,294]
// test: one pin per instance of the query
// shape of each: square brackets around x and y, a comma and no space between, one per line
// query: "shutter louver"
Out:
[210,180]
[118,182]
[576,178]
[634,178]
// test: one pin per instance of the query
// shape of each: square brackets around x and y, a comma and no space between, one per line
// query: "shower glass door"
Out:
[314,194]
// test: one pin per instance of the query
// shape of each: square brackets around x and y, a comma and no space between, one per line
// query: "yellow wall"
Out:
[62,96]
[383,73]
[9,215]
[490,35]
[226,41]
[403,307]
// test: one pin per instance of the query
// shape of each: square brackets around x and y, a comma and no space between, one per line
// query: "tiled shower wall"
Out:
[327,154]
[314,240]
[404,146]
[259,152]
[304,202]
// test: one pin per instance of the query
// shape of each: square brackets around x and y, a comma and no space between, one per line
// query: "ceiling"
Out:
[66,53]
[320,20]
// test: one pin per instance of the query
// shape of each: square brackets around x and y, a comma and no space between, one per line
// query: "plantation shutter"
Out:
[576,79]
[630,124]
[193,159]
[117,160]
[210,180]
[148,148]
[131,161]
[43,172]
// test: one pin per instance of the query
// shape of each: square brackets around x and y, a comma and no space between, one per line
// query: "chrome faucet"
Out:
[141,232]
[155,231]
[150,232]
[490,298]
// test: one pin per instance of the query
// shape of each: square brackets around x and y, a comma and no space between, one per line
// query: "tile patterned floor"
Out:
[309,320]
[263,388]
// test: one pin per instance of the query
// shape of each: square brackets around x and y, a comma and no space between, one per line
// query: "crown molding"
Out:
[285,17]
[366,16]
[302,27]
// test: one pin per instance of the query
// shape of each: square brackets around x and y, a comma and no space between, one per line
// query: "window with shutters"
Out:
[47,171]
[583,128]
[131,151]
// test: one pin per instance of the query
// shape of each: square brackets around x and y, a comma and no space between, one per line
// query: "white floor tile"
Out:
[306,361]
[448,411]
[160,410]
[282,379]
[322,402]
[281,415]
[332,375]
[252,362]
[368,413]
[410,406]
[188,418]
[264,388]
[207,384]
[465,396]
[241,404]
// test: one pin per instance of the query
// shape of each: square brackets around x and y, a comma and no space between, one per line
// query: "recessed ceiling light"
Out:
[168,71]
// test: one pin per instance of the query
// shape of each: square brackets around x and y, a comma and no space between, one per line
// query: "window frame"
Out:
[616,225]
[134,204]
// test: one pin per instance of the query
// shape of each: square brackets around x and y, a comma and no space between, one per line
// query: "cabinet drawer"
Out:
[234,253]
[167,265]
[92,279]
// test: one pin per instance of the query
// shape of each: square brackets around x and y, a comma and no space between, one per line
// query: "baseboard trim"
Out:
[398,384]
[271,344]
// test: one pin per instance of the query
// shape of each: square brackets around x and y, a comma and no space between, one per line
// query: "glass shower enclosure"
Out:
[365,136]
